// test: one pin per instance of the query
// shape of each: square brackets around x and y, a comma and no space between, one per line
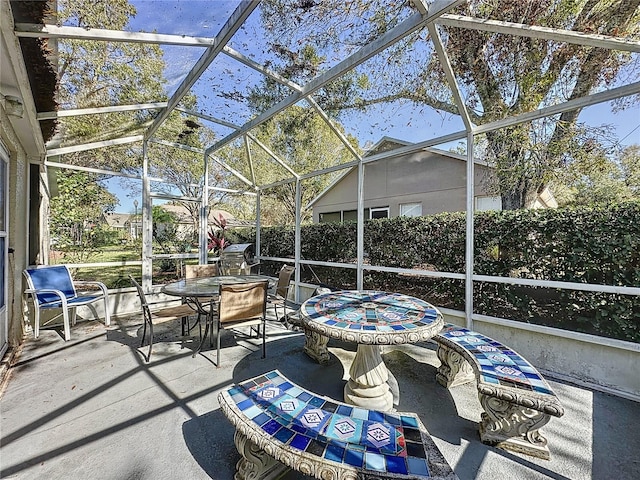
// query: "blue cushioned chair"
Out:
[51,286]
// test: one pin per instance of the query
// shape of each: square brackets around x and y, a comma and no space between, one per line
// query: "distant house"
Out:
[130,228]
[185,221]
[122,223]
[421,183]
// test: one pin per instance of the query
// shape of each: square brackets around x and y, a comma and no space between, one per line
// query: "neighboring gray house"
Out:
[122,223]
[422,183]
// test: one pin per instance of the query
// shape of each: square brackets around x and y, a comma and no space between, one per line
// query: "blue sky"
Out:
[205,17]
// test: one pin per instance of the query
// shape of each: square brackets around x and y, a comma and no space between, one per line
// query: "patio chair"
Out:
[279,297]
[241,305]
[293,320]
[155,317]
[200,271]
[51,286]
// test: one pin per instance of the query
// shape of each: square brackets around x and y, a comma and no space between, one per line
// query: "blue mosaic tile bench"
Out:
[516,400]
[281,426]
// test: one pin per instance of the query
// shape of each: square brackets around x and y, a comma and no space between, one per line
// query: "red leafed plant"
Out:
[217,242]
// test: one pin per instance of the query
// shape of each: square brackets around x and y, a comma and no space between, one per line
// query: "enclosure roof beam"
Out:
[277,184]
[30,30]
[94,145]
[334,129]
[273,155]
[241,177]
[168,196]
[231,190]
[260,68]
[293,86]
[209,117]
[606,96]
[98,110]
[181,146]
[334,168]
[544,33]
[99,171]
[232,25]
[249,159]
[416,147]
[450,76]
[394,35]
[421,6]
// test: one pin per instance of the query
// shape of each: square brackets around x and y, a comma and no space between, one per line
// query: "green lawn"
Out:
[118,276]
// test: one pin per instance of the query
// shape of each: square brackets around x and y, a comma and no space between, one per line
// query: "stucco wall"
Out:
[437,181]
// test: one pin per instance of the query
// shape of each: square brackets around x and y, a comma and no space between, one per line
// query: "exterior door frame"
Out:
[4,249]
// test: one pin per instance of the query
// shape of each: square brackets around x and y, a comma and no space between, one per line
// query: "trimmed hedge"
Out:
[599,245]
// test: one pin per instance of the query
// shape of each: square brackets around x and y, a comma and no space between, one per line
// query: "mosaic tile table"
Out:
[516,400]
[281,426]
[370,319]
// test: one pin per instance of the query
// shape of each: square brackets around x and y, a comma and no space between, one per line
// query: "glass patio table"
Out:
[193,290]
[370,319]
[208,286]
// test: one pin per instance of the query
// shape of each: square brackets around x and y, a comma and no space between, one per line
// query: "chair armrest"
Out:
[58,293]
[99,285]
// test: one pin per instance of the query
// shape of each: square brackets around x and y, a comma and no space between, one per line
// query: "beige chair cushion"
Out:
[242,302]
[200,271]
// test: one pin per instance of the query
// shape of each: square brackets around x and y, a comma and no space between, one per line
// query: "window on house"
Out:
[380,212]
[488,203]
[344,216]
[330,217]
[410,209]
[349,215]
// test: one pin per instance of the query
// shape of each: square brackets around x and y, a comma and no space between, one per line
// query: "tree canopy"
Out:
[600,178]
[98,74]
[499,75]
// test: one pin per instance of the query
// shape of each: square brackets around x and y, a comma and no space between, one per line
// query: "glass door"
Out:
[4,238]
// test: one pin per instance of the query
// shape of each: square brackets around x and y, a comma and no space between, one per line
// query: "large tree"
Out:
[500,75]
[98,74]
[77,220]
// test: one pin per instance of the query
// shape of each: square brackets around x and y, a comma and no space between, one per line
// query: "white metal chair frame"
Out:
[51,286]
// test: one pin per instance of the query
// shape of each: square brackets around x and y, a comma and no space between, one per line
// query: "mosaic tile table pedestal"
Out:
[370,319]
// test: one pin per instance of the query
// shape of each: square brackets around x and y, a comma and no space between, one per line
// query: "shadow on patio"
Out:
[91,408]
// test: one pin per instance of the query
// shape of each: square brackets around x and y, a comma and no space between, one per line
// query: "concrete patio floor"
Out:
[92,408]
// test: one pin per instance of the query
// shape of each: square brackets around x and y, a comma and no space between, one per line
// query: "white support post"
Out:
[360,233]
[204,217]
[468,282]
[258,214]
[147,222]
[297,250]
